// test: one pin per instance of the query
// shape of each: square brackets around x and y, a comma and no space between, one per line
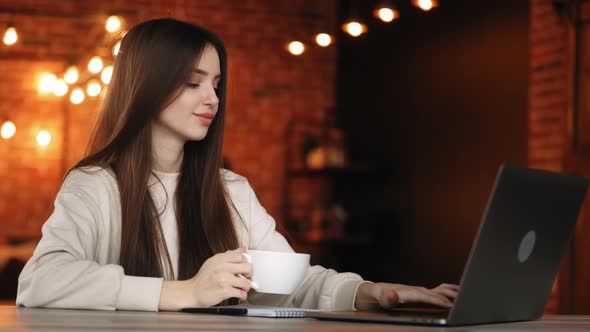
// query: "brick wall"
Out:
[29,174]
[267,87]
[548,95]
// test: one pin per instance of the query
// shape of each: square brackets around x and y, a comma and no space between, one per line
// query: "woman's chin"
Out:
[197,136]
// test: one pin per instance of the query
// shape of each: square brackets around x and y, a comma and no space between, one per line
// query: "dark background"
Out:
[433,102]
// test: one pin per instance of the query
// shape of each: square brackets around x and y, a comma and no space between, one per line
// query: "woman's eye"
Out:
[193,85]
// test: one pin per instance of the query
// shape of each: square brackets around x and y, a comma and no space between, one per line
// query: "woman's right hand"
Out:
[217,280]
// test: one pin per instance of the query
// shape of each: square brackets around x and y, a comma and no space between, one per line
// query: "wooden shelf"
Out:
[309,172]
[302,238]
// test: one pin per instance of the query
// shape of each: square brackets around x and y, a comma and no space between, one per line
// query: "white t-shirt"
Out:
[76,263]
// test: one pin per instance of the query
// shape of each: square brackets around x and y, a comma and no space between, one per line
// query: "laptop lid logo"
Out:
[527,245]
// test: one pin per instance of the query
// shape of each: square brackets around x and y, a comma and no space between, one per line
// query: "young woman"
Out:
[149,220]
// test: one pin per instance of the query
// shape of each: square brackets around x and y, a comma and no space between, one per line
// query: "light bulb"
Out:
[93,89]
[116,48]
[323,39]
[426,5]
[77,96]
[354,29]
[296,48]
[47,83]
[95,65]
[43,138]
[113,23]
[106,74]
[71,75]
[8,130]
[60,88]
[10,36]
[386,14]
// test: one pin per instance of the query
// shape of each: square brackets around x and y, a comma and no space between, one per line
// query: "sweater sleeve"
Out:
[63,271]
[321,288]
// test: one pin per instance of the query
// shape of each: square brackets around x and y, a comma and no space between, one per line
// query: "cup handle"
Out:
[249,260]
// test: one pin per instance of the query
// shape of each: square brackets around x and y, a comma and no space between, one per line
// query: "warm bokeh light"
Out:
[425,5]
[10,36]
[296,48]
[106,74]
[94,88]
[386,14]
[8,130]
[60,88]
[354,29]
[43,138]
[113,23]
[323,39]
[47,82]
[95,64]
[71,75]
[116,48]
[77,96]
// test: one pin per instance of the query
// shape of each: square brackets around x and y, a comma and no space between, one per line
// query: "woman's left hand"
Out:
[372,296]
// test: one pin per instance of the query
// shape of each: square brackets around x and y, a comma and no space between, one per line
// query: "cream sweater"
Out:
[75,265]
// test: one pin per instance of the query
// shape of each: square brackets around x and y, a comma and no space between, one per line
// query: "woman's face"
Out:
[189,116]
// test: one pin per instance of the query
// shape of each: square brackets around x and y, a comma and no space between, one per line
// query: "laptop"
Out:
[526,226]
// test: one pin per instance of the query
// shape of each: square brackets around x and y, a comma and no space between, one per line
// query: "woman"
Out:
[148,220]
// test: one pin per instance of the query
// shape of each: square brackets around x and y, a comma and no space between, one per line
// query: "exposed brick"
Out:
[548,95]
[267,88]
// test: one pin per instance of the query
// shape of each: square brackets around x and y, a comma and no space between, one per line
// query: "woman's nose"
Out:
[211,97]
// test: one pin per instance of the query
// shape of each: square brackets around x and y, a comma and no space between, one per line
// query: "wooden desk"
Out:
[25,319]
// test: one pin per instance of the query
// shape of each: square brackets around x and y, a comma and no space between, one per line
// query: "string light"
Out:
[116,48]
[95,65]
[354,28]
[47,83]
[77,96]
[43,138]
[8,130]
[60,88]
[71,75]
[323,39]
[296,48]
[106,74]
[425,5]
[10,36]
[50,83]
[113,23]
[94,88]
[386,14]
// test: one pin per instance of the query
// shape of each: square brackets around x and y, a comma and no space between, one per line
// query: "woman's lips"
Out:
[205,118]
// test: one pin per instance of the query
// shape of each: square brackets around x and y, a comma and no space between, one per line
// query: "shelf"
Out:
[309,172]
[304,238]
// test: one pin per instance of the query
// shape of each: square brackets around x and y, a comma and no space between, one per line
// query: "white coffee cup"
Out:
[276,272]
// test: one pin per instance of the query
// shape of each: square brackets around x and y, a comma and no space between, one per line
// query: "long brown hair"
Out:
[155,60]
